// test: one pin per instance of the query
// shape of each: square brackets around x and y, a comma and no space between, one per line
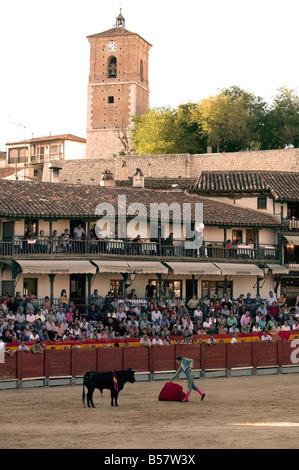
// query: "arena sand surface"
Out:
[256,412]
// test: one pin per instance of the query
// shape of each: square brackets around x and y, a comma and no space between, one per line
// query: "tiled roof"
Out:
[59,200]
[50,138]
[283,186]
[160,183]
[114,32]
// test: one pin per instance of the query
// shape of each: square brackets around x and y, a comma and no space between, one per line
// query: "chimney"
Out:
[107,179]
[123,172]
[54,172]
[138,179]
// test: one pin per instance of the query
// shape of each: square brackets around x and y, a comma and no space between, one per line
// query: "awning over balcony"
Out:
[278,269]
[193,268]
[234,269]
[139,267]
[293,240]
[56,266]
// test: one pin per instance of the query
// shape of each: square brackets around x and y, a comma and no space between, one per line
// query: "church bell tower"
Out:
[118,88]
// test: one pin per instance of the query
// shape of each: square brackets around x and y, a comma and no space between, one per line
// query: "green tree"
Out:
[282,120]
[153,132]
[225,122]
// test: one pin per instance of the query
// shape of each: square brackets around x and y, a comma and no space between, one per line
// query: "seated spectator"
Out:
[23,347]
[233,329]
[262,310]
[270,299]
[37,348]
[198,314]
[256,328]
[265,336]
[193,303]
[167,341]
[165,331]
[285,326]
[157,341]
[273,310]
[145,341]
[225,310]
[231,320]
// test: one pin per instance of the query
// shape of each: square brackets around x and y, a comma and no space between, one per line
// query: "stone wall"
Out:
[89,171]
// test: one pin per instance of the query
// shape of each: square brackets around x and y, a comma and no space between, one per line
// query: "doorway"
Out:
[191,286]
[77,286]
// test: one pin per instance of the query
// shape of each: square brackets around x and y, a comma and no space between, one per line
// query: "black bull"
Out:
[113,381]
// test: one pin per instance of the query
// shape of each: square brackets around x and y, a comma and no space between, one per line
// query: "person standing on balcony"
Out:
[79,234]
[186,365]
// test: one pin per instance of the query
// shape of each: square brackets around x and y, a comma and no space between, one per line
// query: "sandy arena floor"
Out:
[257,412]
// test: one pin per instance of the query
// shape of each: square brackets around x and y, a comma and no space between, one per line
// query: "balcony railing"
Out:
[291,225]
[58,247]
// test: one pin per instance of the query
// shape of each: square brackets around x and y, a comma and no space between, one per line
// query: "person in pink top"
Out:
[70,316]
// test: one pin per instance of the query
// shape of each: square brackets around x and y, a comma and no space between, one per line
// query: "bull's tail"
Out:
[83,395]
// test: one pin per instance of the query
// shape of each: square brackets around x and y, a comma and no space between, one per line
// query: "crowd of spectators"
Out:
[154,320]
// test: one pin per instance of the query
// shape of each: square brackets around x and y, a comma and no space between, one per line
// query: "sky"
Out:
[198,48]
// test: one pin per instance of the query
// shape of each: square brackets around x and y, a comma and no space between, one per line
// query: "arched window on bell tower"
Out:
[112,63]
[141,70]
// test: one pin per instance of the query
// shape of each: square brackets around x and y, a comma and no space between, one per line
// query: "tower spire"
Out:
[120,21]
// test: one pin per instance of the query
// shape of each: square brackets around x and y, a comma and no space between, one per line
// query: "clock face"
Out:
[112,46]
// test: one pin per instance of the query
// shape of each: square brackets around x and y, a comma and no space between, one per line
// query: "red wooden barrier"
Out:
[75,362]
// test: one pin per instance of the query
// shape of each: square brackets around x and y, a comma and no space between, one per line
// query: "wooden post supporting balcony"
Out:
[51,277]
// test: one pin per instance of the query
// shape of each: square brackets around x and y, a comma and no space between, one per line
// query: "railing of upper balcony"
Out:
[291,225]
[59,247]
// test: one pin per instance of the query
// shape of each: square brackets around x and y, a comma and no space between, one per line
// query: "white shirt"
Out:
[79,232]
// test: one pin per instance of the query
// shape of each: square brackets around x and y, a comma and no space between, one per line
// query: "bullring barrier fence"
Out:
[72,360]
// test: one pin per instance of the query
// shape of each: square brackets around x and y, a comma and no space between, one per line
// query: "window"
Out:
[116,286]
[237,236]
[169,288]
[30,285]
[110,99]
[112,67]
[13,156]
[262,203]
[32,225]
[141,70]
[216,288]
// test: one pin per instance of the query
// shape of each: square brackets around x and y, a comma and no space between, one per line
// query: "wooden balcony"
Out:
[57,248]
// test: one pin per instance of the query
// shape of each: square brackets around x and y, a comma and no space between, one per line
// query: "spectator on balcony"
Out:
[145,341]
[265,336]
[193,303]
[273,310]
[60,315]
[198,314]
[70,315]
[262,322]
[221,321]
[30,308]
[12,305]
[93,313]
[157,341]
[262,310]
[291,321]
[233,329]
[50,327]
[65,241]
[226,300]
[270,299]
[156,316]
[161,304]
[253,309]
[225,311]
[231,320]
[20,318]
[30,317]
[282,300]
[42,242]
[150,290]
[169,248]
[132,294]
[37,348]
[246,319]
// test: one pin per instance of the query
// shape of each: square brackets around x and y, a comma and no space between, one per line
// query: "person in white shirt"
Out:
[265,336]
[79,232]
[30,318]
[270,299]
[157,341]
[285,327]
